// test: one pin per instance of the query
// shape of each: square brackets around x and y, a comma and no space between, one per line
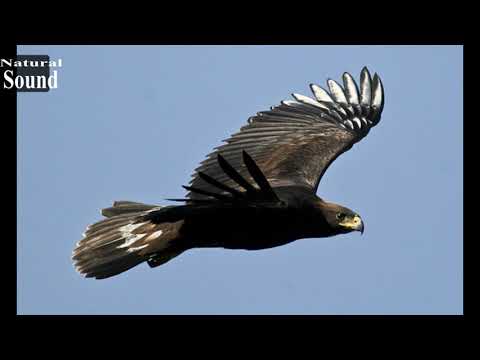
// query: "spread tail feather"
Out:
[126,207]
[123,240]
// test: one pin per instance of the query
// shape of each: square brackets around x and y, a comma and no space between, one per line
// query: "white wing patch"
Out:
[130,238]
[133,249]
[154,235]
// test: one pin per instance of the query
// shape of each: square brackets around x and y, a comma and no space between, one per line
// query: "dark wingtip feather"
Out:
[178,200]
[207,193]
[192,200]
[208,179]
[233,174]
[365,91]
[258,176]
[378,98]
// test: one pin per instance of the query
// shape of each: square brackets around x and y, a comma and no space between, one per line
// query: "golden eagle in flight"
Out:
[257,191]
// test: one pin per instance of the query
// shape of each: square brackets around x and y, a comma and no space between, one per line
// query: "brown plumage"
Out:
[255,192]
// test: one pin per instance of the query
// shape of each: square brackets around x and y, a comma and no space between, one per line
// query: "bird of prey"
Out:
[256,191]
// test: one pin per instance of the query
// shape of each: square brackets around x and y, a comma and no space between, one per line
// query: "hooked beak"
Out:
[354,224]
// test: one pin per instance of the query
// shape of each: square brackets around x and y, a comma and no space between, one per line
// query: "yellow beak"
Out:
[354,223]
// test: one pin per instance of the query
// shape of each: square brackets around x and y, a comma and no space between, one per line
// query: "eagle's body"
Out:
[256,192]
[260,227]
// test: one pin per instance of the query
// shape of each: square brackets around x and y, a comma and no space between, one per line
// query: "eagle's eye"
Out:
[341,216]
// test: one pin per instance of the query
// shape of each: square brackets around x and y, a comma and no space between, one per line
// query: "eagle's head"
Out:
[340,219]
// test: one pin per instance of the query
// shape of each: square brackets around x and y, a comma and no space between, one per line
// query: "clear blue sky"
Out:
[132,122]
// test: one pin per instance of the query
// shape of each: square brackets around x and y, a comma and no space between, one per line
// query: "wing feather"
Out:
[351,91]
[365,91]
[294,142]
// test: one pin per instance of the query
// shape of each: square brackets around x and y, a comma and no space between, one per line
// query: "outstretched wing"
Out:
[295,142]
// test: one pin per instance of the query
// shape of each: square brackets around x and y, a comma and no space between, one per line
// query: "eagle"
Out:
[255,191]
